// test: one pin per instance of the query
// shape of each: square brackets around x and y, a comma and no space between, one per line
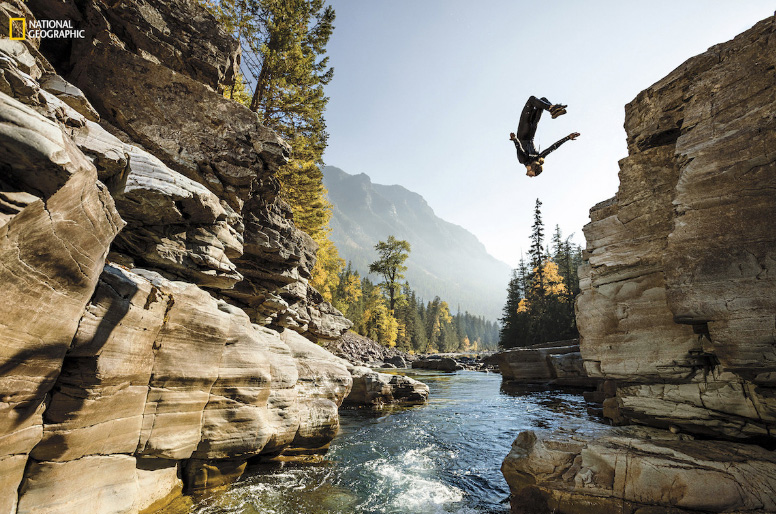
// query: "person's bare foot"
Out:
[574,135]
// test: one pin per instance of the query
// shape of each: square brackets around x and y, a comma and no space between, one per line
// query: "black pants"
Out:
[529,121]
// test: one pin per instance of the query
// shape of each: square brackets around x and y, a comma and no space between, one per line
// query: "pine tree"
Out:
[540,299]
[537,250]
[509,335]
[390,265]
[284,45]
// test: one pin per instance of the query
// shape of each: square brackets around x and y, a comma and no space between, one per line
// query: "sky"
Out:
[426,92]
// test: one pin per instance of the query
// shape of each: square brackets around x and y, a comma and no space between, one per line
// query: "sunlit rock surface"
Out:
[378,389]
[678,304]
[148,269]
[637,470]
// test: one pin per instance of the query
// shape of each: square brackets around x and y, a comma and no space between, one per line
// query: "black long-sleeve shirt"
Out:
[529,155]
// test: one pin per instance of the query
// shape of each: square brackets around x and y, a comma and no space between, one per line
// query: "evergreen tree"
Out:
[537,250]
[347,293]
[511,330]
[390,265]
[284,45]
[540,300]
[408,313]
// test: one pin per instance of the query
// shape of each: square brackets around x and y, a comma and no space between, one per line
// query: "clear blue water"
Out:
[437,458]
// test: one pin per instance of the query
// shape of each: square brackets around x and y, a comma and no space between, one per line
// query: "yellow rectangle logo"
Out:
[20,24]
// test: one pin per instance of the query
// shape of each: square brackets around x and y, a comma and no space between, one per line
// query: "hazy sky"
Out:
[425,93]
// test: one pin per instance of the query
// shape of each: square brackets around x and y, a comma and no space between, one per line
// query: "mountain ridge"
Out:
[446,259]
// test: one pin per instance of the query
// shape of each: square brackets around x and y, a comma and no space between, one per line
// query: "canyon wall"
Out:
[159,328]
[678,305]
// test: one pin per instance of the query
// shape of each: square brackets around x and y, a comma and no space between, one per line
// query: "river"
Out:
[437,458]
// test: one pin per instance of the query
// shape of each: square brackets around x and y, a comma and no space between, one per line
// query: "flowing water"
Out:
[437,458]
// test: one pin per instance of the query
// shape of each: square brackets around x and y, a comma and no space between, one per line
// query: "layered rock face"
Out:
[557,363]
[634,471]
[678,303]
[149,269]
[203,206]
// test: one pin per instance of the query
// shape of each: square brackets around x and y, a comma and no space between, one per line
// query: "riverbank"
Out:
[362,351]
[441,457]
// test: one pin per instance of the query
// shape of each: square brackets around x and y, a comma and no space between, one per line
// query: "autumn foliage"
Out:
[540,296]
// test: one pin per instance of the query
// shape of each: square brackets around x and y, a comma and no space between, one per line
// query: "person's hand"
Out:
[573,135]
[512,136]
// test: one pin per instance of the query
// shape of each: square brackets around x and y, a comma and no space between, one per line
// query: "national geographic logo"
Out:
[42,29]
[17,29]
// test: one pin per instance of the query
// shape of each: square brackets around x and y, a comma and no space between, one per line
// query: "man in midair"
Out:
[526,130]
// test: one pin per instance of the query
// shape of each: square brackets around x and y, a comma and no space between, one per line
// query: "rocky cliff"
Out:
[156,316]
[678,303]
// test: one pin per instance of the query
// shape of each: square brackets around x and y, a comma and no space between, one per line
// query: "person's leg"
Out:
[529,118]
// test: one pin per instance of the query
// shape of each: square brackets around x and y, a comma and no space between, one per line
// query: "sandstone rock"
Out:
[557,363]
[375,389]
[173,223]
[26,53]
[69,94]
[190,349]
[57,487]
[51,252]
[444,364]
[209,476]
[326,322]
[12,203]
[677,304]
[153,104]
[283,410]
[99,484]
[158,484]
[324,382]
[107,152]
[180,34]
[721,405]
[397,361]
[236,158]
[19,80]
[632,470]
[163,371]
[101,392]
[111,377]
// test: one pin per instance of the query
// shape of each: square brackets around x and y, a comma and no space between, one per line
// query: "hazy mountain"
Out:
[446,260]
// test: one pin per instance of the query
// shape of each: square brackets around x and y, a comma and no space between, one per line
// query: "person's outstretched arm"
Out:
[557,144]
[522,155]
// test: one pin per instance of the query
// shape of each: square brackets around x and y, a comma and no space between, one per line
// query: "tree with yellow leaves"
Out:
[379,323]
[540,302]
[283,46]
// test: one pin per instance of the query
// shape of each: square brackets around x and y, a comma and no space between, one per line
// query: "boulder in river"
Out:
[557,363]
[444,364]
[377,389]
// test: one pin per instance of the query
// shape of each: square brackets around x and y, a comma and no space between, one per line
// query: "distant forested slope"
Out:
[446,260]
